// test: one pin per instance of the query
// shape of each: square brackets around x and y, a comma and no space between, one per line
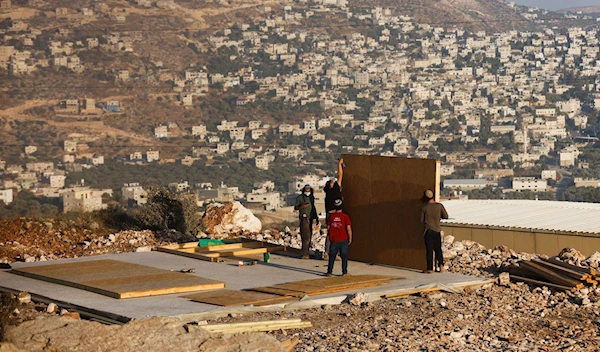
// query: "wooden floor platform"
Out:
[118,279]
[218,253]
[326,285]
[229,298]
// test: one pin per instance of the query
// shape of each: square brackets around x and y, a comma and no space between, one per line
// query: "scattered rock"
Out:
[24,298]
[52,308]
[357,299]
[143,249]
[504,279]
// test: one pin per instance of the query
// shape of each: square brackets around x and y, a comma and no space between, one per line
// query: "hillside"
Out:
[469,14]
[582,9]
[137,53]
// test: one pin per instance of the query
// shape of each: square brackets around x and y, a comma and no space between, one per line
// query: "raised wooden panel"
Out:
[383,197]
[118,279]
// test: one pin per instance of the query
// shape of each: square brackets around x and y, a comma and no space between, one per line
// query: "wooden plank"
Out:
[541,283]
[343,280]
[180,245]
[129,280]
[264,328]
[577,275]
[235,252]
[278,291]
[257,326]
[326,285]
[520,271]
[189,255]
[254,323]
[410,292]
[571,267]
[228,298]
[551,276]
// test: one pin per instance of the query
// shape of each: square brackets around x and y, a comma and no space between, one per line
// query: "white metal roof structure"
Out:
[583,218]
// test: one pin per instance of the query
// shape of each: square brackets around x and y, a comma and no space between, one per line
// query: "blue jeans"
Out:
[342,249]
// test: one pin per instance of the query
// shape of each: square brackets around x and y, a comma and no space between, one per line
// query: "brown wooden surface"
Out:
[118,279]
[227,298]
[383,197]
[326,285]
[541,283]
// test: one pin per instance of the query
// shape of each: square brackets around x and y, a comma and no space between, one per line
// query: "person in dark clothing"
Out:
[307,212]
[333,191]
[431,215]
[339,229]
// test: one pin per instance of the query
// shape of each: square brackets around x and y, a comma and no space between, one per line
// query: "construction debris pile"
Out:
[39,240]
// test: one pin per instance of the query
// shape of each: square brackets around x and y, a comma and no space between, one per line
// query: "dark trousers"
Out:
[433,245]
[327,241]
[342,249]
[305,234]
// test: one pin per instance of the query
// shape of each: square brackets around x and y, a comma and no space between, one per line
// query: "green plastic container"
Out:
[267,257]
[205,242]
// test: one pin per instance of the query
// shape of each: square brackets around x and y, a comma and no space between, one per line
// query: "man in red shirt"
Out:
[340,236]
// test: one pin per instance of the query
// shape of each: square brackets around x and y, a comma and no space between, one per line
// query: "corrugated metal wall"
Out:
[530,242]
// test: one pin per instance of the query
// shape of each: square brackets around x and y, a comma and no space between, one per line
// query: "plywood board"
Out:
[326,285]
[219,253]
[228,298]
[383,197]
[118,279]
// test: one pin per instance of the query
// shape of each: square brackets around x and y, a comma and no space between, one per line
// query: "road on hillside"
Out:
[566,181]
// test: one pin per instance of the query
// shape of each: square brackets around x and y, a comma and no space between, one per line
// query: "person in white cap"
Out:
[307,212]
[431,215]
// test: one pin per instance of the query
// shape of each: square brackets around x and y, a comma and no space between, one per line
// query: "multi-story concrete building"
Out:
[82,199]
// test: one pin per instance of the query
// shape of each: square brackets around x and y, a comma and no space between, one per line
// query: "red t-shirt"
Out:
[337,225]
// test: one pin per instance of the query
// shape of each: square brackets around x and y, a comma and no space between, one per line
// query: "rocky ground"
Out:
[504,317]
[31,240]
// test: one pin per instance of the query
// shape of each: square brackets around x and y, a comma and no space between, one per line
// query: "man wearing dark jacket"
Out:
[307,212]
[333,192]
[431,215]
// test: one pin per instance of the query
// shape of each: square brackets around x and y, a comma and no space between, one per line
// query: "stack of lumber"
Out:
[219,253]
[326,285]
[554,274]
[270,325]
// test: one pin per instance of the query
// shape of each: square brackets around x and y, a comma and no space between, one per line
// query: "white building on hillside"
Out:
[6,196]
[529,184]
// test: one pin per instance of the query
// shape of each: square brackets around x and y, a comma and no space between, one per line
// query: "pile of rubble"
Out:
[35,240]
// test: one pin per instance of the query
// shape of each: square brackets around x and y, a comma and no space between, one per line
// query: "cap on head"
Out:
[429,194]
[307,186]
[338,203]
